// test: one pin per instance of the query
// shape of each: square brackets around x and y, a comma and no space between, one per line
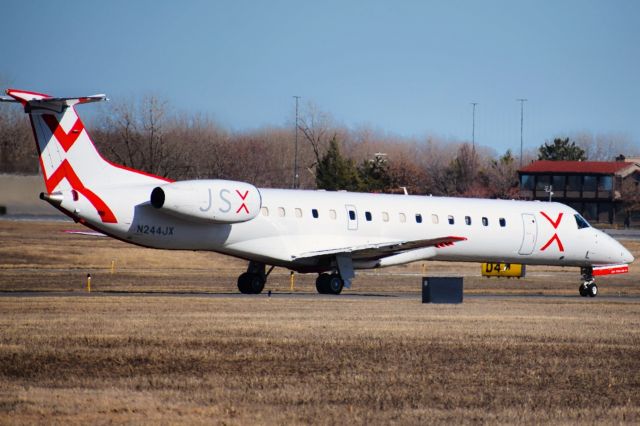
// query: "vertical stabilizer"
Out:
[68,157]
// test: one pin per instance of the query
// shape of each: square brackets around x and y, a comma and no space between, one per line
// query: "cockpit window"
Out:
[581,221]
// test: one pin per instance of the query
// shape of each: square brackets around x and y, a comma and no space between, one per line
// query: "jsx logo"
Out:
[555,224]
[223,194]
[244,197]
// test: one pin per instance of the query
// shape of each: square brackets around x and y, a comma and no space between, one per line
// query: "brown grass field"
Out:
[174,355]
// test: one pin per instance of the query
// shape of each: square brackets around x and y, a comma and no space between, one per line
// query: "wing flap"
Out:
[378,250]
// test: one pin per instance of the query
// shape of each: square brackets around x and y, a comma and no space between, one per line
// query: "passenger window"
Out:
[403,217]
[352,215]
[298,212]
[264,211]
[332,214]
[418,218]
[503,222]
[451,220]
[385,216]
[281,211]
[467,220]
[485,221]
[434,219]
[367,215]
[314,213]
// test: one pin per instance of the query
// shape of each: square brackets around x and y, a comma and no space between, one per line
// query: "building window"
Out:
[574,183]
[542,181]
[467,220]
[298,212]
[605,183]
[367,215]
[264,211]
[485,221]
[451,220]
[403,217]
[527,182]
[558,183]
[385,216]
[332,214]
[281,211]
[314,213]
[589,184]
[418,218]
[434,219]
[503,222]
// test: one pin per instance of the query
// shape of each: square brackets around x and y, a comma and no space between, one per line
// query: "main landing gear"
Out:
[253,281]
[329,283]
[588,286]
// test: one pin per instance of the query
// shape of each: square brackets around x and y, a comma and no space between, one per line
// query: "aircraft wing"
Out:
[89,233]
[378,250]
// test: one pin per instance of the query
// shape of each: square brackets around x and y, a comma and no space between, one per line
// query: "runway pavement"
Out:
[315,296]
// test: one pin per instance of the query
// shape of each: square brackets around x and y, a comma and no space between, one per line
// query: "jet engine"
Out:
[217,201]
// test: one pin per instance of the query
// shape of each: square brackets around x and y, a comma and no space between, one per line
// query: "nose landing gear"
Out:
[588,286]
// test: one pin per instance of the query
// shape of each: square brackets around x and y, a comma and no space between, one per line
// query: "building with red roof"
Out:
[596,189]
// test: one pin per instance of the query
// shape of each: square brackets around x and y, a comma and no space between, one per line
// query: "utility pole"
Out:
[295,158]
[522,101]
[473,127]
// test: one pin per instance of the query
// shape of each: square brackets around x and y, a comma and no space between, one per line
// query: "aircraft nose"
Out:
[627,256]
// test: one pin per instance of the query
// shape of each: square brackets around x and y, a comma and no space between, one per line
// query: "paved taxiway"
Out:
[314,296]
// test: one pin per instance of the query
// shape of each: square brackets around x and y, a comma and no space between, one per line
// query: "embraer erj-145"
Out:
[328,233]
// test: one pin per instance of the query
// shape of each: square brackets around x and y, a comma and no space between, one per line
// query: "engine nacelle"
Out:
[218,201]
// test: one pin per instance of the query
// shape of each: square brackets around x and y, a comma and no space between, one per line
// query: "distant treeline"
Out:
[148,134]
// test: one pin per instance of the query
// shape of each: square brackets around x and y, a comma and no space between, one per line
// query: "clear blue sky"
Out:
[406,67]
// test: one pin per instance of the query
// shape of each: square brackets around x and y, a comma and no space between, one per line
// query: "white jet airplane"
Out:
[329,233]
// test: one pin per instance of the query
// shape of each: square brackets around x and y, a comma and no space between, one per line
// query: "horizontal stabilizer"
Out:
[40,100]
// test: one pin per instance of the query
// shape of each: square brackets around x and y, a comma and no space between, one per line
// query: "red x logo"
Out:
[555,237]
[66,139]
[65,171]
[244,197]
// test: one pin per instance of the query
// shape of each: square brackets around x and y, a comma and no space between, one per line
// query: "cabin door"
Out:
[530,233]
[352,217]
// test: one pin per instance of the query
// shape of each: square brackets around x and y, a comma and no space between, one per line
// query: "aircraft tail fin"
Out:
[68,158]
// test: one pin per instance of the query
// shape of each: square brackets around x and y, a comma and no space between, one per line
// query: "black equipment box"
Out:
[442,289]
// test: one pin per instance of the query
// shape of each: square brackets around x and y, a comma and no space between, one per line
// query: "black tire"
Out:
[335,284]
[592,290]
[249,283]
[322,283]
[583,290]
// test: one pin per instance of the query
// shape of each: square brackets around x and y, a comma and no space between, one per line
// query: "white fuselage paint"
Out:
[533,232]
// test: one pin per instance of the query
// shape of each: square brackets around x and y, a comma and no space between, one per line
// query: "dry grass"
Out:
[316,360]
[101,358]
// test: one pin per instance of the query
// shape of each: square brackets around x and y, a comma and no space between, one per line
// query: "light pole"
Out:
[473,127]
[295,158]
[522,101]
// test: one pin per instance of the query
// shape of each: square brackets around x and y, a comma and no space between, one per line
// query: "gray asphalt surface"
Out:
[313,296]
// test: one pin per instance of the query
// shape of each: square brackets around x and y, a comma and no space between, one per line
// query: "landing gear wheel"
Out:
[583,290]
[249,283]
[322,283]
[335,284]
[592,290]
